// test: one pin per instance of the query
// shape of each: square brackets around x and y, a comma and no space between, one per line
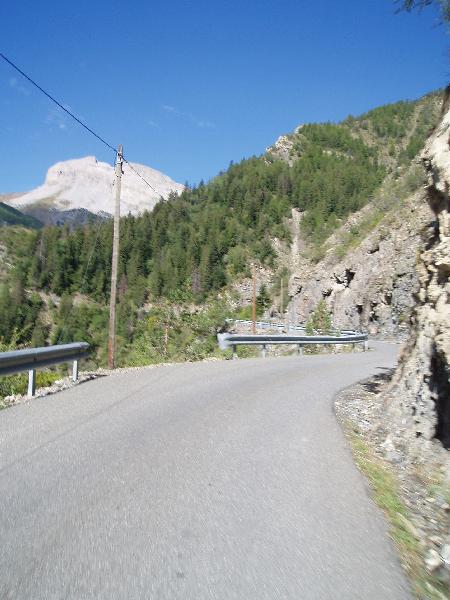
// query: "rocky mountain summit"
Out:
[86,184]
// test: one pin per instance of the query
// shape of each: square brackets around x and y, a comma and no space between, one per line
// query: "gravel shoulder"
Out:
[417,482]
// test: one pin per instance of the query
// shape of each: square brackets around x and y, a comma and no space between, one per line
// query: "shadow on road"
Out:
[374,384]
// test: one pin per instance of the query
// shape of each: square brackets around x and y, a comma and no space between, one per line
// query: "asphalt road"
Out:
[225,480]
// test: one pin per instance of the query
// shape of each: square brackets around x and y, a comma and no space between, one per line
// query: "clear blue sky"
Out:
[187,86]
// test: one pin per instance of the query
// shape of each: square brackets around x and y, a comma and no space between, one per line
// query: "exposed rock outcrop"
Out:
[418,402]
[372,287]
[283,148]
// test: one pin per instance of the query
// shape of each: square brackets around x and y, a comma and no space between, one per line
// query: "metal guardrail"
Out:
[232,340]
[266,324]
[286,326]
[31,359]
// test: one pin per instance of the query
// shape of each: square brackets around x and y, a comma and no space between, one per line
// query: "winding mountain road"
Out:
[227,480]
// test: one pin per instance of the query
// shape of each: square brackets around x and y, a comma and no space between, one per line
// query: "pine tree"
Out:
[319,320]
[262,300]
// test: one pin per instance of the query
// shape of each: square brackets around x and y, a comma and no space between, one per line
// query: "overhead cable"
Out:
[67,111]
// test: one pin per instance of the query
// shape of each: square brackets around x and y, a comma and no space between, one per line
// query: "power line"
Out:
[139,175]
[57,103]
[67,111]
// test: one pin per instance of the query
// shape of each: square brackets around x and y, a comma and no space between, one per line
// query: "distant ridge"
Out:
[12,216]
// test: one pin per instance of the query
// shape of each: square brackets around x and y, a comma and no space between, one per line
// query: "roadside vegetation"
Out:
[384,485]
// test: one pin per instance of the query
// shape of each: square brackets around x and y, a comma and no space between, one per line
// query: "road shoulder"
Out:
[412,495]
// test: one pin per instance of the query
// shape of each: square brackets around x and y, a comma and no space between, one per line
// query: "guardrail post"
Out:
[31,383]
[234,352]
[300,350]
[75,370]
[263,351]
[366,345]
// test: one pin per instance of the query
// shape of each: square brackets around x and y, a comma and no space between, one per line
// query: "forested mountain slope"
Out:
[12,216]
[193,246]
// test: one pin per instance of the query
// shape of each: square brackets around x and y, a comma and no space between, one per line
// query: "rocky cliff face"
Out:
[419,401]
[369,286]
[368,275]
[372,287]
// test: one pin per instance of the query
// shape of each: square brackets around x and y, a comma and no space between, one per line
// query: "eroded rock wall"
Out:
[373,287]
[418,403]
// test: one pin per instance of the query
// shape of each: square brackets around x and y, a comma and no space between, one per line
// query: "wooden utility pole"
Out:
[166,337]
[254,301]
[115,262]
[166,333]
[282,298]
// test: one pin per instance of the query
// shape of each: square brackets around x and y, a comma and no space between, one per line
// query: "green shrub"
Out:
[12,385]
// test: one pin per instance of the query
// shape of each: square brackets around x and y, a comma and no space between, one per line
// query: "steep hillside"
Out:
[366,270]
[397,132]
[87,184]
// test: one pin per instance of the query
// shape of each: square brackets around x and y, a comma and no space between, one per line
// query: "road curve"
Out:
[228,480]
